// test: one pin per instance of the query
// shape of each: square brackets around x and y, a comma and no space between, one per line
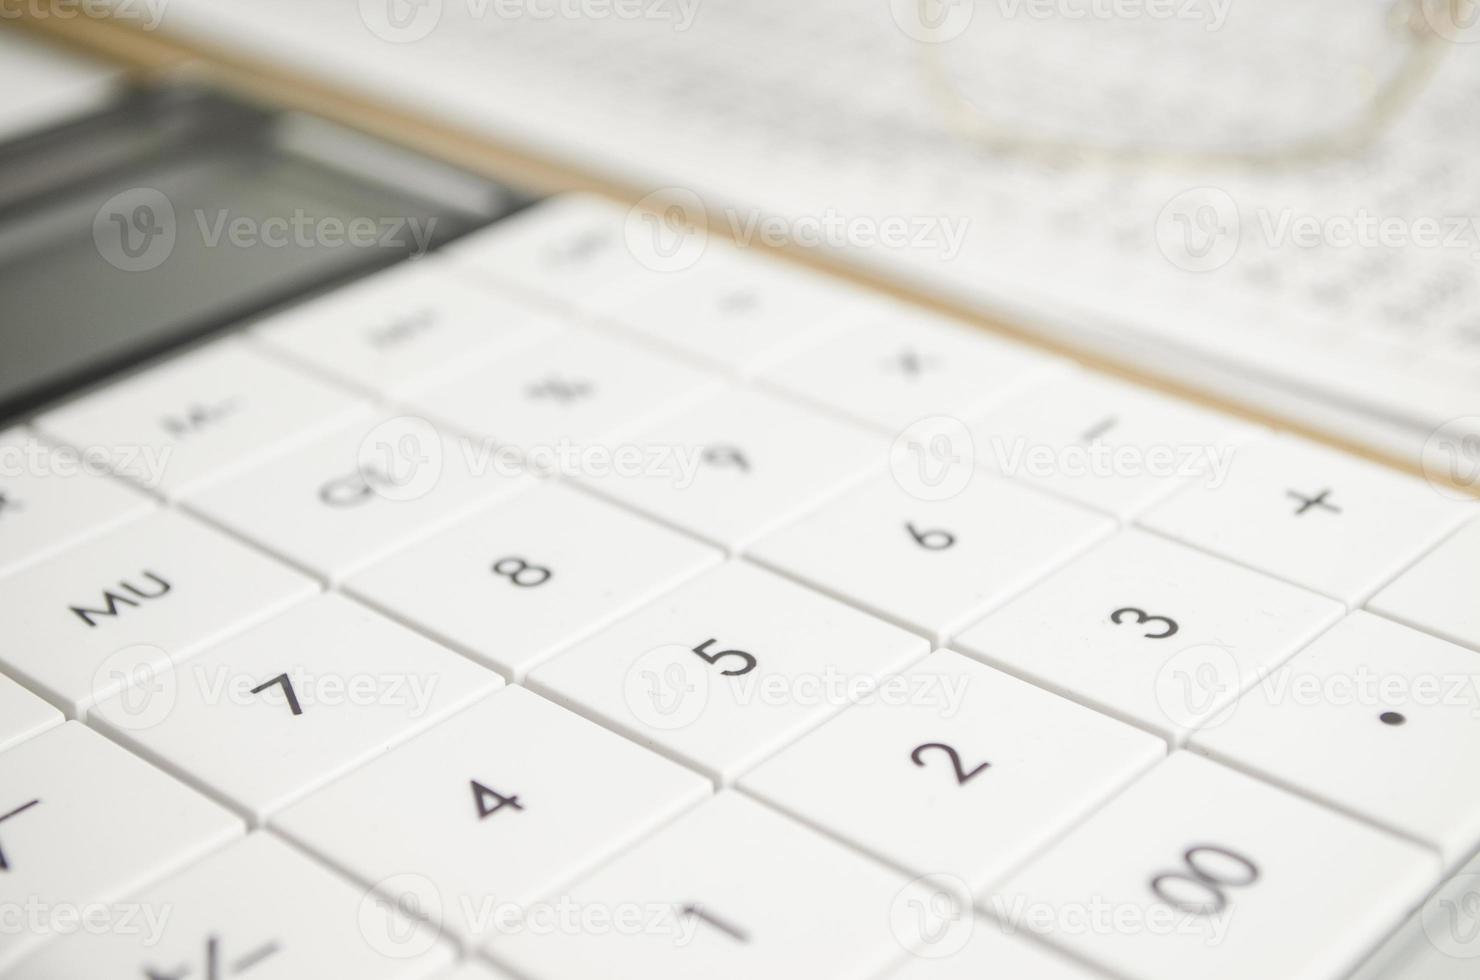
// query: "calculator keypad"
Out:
[568,607]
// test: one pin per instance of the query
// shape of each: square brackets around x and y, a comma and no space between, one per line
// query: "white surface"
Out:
[1233,626]
[931,565]
[829,116]
[403,325]
[1381,520]
[906,364]
[46,85]
[367,490]
[201,416]
[1317,727]
[585,562]
[1348,882]
[743,463]
[864,776]
[1107,444]
[215,586]
[412,824]
[361,684]
[801,904]
[810,655]
[50,499]
[258,900]
[106,825]
[23,714]
[1437,594]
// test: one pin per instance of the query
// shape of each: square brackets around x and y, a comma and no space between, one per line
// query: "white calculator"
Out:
[403,579]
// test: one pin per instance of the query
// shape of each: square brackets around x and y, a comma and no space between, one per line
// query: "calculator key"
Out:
[1200,871]
[342,502]
[1106,444]
[201,416]
[1373,718]
[907,364]
[577,388]
[1312,516]
[738,312]
[403,326]
[1437,593]
[989,952]
[530,576]
[23,714]
[499,805]
[52,497]
[293,703]
[83,821]
[255,908]
[728,668]
[729,890]
[741,464]
[955,768]
[569,251]
[931,565]
[1150,631]
[123,606]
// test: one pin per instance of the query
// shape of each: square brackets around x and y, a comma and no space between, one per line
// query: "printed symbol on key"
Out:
[698,912]
[962,775]
[1306,503]
[1168,626]
[910,364]
[726,456]
[286,683]
[560,390]
[402,328]
[213,966]
[1094,432]
[200,416]
[738,301]
[4,861]
[491,801]
[1201,885]
[148,586]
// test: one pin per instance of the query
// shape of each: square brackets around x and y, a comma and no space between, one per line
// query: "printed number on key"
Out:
[1205,882]
[521,573]
[702,650]
[961,774]
[1143,618]
[931,540]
